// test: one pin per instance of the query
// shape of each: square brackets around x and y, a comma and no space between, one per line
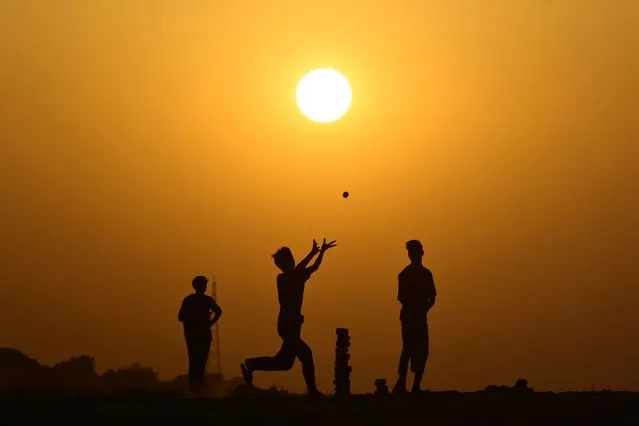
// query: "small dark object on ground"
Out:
[381,388]
[521,386]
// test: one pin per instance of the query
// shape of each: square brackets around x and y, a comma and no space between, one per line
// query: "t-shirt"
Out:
[416,292]
[195,313]
[290,292]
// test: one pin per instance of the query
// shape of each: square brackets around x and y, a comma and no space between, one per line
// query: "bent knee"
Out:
[305,354]
[286,361]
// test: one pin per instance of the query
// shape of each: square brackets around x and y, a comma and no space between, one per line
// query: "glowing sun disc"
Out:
[324,95]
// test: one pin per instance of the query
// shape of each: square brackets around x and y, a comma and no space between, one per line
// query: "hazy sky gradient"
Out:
[146,142]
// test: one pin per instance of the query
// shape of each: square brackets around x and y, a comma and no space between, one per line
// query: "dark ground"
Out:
[431,408]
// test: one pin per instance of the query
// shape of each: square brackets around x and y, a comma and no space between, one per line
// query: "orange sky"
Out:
[146,142]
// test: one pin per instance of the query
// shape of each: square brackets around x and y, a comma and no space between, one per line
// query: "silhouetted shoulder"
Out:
[404,272]
[429,275]
[430,282]
[211,301]
[189,303]
[185,308]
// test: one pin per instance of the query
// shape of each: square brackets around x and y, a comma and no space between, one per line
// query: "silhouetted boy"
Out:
[195,315]
[417,295]
[290,292]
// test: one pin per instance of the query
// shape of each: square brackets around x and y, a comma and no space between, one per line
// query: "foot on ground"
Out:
[399,390]
[315,394]
[247,374]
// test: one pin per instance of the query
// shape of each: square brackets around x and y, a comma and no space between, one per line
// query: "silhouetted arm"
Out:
[306,260]
[302,265]
[181,312]
[325,246]
[432,293]
[401,289]
[315,266]
[217,312]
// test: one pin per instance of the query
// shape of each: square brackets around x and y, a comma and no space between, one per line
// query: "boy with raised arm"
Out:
[290,291]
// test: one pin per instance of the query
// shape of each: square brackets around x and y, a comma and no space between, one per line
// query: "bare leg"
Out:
[305,355]
[282,361]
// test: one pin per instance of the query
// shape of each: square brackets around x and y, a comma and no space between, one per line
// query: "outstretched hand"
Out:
[326,246]
[315,248]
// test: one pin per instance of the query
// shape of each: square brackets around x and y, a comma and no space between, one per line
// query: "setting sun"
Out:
[324,95]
